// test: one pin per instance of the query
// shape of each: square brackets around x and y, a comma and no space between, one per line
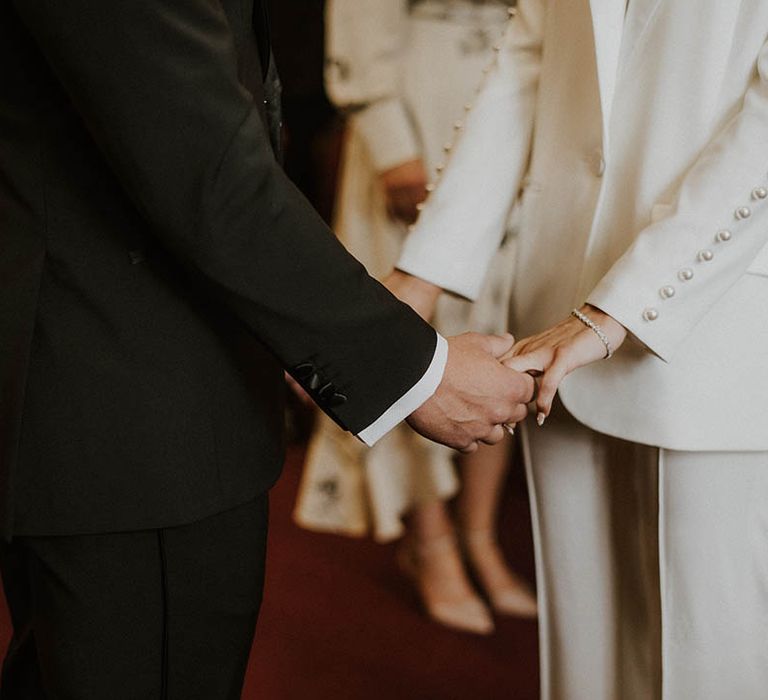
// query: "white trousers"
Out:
[652,568]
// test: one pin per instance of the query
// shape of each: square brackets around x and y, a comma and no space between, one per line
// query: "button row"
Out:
[706,255]
[323,392]
[459,124]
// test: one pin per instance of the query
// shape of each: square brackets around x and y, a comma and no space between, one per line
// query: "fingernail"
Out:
[540,418]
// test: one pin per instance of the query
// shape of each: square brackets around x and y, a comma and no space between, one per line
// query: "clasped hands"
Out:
[552,355]
[490,380]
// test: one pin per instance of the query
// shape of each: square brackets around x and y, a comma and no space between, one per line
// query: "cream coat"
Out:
[635,141]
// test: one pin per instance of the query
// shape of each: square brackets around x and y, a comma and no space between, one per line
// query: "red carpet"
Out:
[338,622]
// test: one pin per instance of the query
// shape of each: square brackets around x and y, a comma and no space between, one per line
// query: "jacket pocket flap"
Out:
[759,265]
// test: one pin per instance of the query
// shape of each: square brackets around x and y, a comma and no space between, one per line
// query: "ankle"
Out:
[479,538]
[433,545]
[484,555]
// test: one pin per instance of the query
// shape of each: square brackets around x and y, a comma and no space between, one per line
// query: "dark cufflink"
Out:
[304,371]
[337,400]
[325,392]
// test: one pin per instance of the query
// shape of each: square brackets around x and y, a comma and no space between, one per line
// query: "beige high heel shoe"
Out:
[438,573]
[508,593]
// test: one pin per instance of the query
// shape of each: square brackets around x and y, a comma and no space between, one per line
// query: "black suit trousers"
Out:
[166,614]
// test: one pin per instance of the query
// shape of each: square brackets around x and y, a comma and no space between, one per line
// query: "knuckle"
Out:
[516,384]
[487,432]
[529,387]
[519,414]
[467,442]
[499,413]
[489,438]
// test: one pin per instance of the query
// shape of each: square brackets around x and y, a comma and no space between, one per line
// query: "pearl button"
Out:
[430,187]
[705,255]
[512,11]
[468,107]
[458,126]
[497,48]
[685,275]
[439,168]
[723,236]
[448,147]
[667,292]
[743,213]
[420,206]
[759,193]
[650,314]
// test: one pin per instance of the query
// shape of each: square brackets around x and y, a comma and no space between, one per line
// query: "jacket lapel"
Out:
[640,14]
[608,25]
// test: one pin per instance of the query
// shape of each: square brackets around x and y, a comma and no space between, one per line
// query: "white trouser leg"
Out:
[714,575]
[595,525]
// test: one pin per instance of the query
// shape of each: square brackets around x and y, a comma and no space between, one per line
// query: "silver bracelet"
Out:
[599,332]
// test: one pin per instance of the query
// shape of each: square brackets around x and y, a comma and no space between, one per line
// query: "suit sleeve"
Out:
[464,220]
[156,82]
[679,266]
[365,45]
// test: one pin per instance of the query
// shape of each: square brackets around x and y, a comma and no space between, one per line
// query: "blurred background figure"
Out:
[405,73]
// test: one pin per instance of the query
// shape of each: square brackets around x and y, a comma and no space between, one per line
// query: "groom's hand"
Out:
[477,396]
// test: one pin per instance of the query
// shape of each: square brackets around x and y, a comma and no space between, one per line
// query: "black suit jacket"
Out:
[157,269]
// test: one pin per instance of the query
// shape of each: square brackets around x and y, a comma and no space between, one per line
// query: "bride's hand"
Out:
[563,348]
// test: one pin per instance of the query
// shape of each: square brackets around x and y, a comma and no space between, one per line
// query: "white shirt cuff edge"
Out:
[414,398]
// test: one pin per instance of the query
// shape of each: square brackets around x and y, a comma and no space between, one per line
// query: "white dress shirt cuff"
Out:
[417,395]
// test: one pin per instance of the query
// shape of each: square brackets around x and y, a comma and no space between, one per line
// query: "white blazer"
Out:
[640,144]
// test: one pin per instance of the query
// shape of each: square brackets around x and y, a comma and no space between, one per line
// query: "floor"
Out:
[339,621]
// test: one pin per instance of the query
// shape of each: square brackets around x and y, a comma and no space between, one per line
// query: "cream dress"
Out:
[407,69]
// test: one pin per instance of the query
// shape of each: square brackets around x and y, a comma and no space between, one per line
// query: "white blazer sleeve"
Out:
[464,220]
[365,44]
[679,266]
